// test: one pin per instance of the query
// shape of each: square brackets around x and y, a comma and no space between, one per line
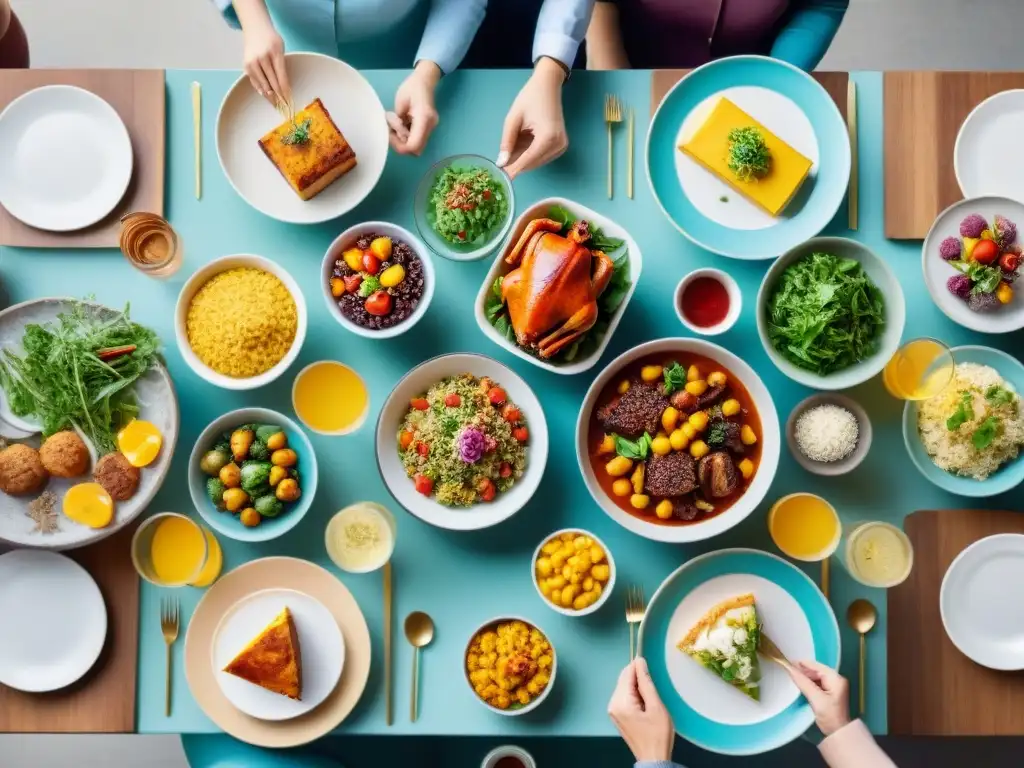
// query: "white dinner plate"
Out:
[984,621]
[54,620]
[321,647]
[987,156]
[245,117]
[67,158]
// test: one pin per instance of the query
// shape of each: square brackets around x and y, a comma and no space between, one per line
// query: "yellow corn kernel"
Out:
[569,594]
[716,379]
[746,468]
[678,440]
[661,446]
[607,445]
[596,554]
[579,543]
[588,583]
[558,559]
[698,420]
[581,602]
[623,387]
[556,596]
[567,572]
[747,435]
[575,578]
[639,500]
[1004,293]
[730,407]
[651,373]
[557,582]
[568,536]
[698,387]
[545,588]
[544,566]
[689,431]
[699,449]
[601,572]
[669,417]
[692,373]
[622,487]
[618,466]
[664,509]
[637,479]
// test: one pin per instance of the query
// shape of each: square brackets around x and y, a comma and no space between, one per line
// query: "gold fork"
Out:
[612,115]
[771,651]
[170,611]
[635,607]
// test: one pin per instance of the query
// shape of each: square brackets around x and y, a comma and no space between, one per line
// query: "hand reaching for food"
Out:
[415,115]
[826,691]
[640,716]
[534,132]
[263,52]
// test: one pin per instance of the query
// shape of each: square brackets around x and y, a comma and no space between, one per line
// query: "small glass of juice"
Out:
[878,554]
[920,369]
[172,550]
[330,398]
[150,244]
[806,527]
[361,537]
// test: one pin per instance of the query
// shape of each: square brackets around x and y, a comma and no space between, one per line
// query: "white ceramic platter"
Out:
[158,404]
[321,645]
[67,158]
[987,156]
[984,622]
[54,621]
[245,117]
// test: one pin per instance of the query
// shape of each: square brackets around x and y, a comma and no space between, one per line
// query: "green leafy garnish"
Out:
[636,450]
[986,433]
[825,314]
[493,305]
[998,395]
[984,279]
[716,434]
[299,133]
[618,286]
[675,378]
[369,285]
[749,157]
[963,413]
[598,241]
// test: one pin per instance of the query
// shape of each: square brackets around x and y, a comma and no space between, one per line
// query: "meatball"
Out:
[117,476]
[636,412]
[21,470]
[718,475]
[673,474]
[64,455]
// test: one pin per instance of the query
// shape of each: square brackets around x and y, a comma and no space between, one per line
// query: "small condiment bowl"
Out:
[508,750]
[605,594]
[731,288]
[347,239]
[197,281]
[831,468]
[510,712]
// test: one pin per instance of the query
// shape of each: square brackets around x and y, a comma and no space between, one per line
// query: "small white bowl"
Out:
[547,689]
[508,750]
[348,238]
[607,588]
[197,281]
[735,301]
[831,468]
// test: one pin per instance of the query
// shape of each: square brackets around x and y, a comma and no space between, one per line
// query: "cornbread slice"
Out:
[272,660]
[310,167]
[725,640]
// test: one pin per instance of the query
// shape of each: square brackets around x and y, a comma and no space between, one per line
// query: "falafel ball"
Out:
[21,470]
[64,455]
[117,476]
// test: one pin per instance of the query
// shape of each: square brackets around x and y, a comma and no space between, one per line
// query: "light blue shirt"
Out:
[330,26]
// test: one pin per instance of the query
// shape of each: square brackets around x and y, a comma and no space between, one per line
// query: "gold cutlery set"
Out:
[613,114]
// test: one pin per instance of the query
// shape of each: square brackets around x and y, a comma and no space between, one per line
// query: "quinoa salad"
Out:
[377,282]
[463,441]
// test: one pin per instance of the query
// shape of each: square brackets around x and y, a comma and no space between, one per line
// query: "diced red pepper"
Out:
[419,403]
[497,396]
[405,439]
[423,484]
[462,234]
[423,449]
[505,470]
[521,434]
[511,414]
[486,489]
[487,194]
[452,400]
[112,352]
[352,283]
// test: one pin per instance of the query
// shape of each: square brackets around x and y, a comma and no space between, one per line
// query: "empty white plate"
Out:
[54,620]
[984,621]
[987,155]
[245,117]
[67,158]
[321,648]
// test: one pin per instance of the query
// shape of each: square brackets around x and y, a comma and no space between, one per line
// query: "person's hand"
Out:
[641,717]
[826,690]
[415,116]
[263,61]
[534,132]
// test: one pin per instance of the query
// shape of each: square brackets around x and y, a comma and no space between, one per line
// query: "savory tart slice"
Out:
[272,660]
[725,641]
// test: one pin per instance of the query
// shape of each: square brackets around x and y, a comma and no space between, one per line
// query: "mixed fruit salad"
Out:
[987,258]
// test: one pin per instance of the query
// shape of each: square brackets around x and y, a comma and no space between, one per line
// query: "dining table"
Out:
[464,578]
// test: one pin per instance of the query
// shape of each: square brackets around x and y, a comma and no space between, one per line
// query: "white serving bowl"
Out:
[607,587]
[547,689]
[197,281]
[770,443]
[499,267]
[508,750]
[884,279]
[400,486]
[735,301]
[347,239]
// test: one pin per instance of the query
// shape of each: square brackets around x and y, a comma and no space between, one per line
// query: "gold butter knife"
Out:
[197,135]
[388,716]
[629,171]
[851,126]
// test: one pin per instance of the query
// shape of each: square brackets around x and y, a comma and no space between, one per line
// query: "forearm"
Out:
[561,27]
[808,32]
[853,746]
[604,39]
[451,27]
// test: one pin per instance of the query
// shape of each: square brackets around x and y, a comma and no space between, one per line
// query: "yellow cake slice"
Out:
[709,146]
[725,641]
[272,660]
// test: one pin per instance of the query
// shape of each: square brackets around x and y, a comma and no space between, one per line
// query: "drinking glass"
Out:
[829,523]
[877,554]
[920,369]
[172,550]
[150,244]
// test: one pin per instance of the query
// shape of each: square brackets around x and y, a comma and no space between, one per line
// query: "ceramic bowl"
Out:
[508,750]
[424,215]
[197,281]
[518,710]
[346,240]
[227,523]
[831,468]
[427,508]
[884,279]
[731,288]
[608,587]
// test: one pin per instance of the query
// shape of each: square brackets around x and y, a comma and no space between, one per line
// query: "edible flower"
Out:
[973,225]
[950,248]
[471,445]
[1005,231]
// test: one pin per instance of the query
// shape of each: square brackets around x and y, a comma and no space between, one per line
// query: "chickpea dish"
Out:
[509,664]
[572,570]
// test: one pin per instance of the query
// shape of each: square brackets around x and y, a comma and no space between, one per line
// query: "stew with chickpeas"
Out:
[674,439]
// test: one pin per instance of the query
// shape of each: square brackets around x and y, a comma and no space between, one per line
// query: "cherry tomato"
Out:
[423,449]
[452,400]
[370,263]
[379,303]
[985,252]
[511,414]
[423,484]
[405,439]
[521,434]
[419,403]
[462,234]
[505,470]
[487,194]
[352,283]
[496,395]
[486,489]
[1009,262]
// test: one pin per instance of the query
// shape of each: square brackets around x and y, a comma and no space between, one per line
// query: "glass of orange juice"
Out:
[330,398]
[806,527]
[172,550]
[920,369]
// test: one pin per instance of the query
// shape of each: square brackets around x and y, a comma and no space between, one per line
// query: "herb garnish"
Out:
[299,133]
[675,378]
[963,413]
[749,157]
[716,433]
[986,433]
[998,395]
[985,279]
[633,450]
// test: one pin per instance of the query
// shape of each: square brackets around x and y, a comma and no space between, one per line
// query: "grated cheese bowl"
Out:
[847,463]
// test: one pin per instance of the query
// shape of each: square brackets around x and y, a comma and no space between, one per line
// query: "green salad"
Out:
[825,314]
[466,205]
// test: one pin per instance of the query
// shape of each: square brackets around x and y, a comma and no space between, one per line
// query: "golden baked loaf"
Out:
[309,166]
[272,660]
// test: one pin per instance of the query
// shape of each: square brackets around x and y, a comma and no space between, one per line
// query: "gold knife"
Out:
[629,172]
[825,573]
[851,127]
[197,135]
[389,719]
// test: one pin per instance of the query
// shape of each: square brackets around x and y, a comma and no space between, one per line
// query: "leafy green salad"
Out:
[466,205]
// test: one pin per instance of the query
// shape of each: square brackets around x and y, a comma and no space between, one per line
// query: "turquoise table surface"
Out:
[464,579]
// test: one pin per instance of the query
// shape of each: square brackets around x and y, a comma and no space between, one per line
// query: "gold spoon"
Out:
[419,631]
[861,616]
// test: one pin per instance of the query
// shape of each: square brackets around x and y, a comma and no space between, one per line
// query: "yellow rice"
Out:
[241,322]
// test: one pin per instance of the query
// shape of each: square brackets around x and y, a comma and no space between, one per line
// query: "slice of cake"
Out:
[309,151]
[725,642]
[272,660]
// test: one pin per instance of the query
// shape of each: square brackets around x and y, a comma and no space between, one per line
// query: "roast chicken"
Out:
[552,293]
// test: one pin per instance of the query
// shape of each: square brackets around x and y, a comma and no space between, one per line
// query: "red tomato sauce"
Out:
[705,302]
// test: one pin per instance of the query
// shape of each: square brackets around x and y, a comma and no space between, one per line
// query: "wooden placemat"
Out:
[104,700]
[923,114]
[138,97]
[934,690]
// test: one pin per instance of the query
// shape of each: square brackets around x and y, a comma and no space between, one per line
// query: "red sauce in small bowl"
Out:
[705,302]
[508,761]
